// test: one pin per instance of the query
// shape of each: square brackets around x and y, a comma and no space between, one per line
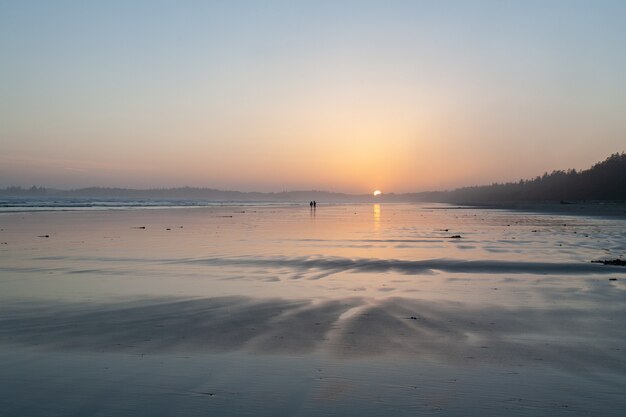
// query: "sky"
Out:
[348,96]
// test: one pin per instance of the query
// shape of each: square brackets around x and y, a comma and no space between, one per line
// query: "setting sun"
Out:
[377,192]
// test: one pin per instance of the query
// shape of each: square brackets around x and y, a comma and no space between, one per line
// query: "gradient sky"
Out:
[337,95]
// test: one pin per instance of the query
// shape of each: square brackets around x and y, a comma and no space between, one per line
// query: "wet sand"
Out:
[348,310]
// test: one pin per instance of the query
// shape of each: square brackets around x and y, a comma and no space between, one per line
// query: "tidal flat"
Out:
[364,310]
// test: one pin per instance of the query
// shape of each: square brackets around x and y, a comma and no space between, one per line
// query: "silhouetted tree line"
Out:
[605,180]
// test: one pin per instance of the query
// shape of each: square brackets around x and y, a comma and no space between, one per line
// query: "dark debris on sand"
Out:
[616,262]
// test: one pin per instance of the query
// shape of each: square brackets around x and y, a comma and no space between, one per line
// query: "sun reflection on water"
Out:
[376,217]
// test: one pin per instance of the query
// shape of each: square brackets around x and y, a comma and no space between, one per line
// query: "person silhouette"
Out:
[311,204]
[314,204]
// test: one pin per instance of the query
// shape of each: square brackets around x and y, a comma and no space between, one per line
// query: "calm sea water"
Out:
[395,309]
[26,204]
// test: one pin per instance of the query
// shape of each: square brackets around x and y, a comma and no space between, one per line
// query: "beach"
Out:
[279,309]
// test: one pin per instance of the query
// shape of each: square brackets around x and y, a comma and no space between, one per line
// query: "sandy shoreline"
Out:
[349,310]
[452,333]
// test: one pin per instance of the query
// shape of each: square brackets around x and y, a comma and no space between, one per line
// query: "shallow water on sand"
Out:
[345,310]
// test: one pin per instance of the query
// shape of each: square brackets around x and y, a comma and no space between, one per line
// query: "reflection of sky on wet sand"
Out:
[340,284]
[364,250]
[336,252]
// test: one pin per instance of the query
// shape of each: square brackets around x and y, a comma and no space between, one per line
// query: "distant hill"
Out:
[605,180]
[182,193]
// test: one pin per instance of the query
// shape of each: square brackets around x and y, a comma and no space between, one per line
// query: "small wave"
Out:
[70,204]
